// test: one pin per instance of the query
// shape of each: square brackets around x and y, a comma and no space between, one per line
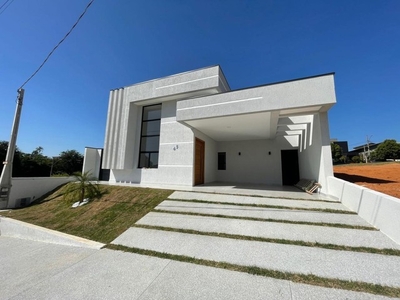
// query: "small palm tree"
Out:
[82,188]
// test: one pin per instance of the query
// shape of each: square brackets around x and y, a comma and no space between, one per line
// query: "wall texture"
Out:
[254,164]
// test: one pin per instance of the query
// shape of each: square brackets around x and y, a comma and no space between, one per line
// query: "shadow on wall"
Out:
[358,178]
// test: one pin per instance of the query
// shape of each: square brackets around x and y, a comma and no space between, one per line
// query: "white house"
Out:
[191,128]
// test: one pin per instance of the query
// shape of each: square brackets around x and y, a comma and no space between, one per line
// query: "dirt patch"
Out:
[381,177]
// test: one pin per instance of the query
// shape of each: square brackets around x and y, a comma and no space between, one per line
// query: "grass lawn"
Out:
[100,220]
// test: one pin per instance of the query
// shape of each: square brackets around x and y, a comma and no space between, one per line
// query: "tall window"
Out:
[150,136]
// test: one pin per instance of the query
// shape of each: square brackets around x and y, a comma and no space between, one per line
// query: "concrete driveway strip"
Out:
[258,200]
[105,274]
[355,266]
[262,212]
[25,264]
[273,230]
[182,281]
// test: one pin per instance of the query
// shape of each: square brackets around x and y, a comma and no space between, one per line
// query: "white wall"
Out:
[175,165]
[315,160]
[380,210]
[254,164]
[33,188]
[92,161]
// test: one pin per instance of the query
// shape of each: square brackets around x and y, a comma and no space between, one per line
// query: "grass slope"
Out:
[101,220]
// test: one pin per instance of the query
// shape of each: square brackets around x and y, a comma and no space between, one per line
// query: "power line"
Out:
[4,4]
[59,43]
[1,11]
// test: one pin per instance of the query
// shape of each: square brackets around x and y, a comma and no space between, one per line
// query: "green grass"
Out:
[299,278]
[337,225]
[326,210]
[385,251]
[101,220]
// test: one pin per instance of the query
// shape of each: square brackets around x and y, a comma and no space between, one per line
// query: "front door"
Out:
[199,162]
[290,167]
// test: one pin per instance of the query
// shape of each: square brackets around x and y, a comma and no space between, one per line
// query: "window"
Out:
[150,136]
[221,160]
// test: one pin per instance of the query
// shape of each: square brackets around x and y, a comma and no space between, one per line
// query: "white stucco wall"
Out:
[175,164]
[315,160]
[254,164]
[33,188]
[305,93]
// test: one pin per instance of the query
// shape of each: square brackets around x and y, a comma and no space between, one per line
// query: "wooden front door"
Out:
[199,162]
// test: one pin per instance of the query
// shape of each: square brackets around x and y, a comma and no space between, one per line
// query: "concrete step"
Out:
[272,230]
[345,265]
[261,213]
[222,198]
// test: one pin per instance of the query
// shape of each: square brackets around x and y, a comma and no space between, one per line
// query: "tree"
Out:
[16,171]
[389,149]
[336,152]
[69,162]
[35,164]
[82,188]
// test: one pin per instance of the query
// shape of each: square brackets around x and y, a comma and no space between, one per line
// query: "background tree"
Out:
[336,152]
[35,164]
[389,149]
[68,162]
[17,168]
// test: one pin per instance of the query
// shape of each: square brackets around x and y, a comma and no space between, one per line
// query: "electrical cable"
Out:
[1,11]
[59,43]
[4,4]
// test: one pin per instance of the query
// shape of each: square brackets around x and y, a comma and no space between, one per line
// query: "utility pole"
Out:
[368,151]
[6,174]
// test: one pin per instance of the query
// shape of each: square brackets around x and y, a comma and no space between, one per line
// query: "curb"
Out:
[18,229]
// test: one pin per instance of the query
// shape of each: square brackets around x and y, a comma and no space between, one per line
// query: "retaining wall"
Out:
[25,190]
[380,210]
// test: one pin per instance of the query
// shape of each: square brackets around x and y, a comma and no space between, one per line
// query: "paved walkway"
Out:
[166,225]
[37,270]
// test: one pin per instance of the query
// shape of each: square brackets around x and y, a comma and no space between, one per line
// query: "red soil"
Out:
[381,177]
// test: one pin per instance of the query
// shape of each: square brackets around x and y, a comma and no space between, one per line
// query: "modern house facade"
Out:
[191,128]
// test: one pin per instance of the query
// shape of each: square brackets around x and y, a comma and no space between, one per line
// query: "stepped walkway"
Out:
[315,236]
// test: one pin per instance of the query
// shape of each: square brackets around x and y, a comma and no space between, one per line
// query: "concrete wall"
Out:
[380,210]
[92,161]
[315,158]
[124,110]
[254,164]
[175,165]
[33,188]
[317,91]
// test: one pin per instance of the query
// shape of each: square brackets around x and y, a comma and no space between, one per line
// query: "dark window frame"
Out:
[146,164]
[222,161]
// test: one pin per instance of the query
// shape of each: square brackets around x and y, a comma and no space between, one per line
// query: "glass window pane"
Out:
[144,160]
[150,143]
[151,128]
[153,160]
[152,112]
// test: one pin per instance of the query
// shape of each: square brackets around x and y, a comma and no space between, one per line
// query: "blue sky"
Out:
[122,42]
